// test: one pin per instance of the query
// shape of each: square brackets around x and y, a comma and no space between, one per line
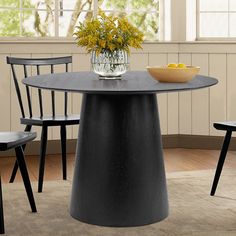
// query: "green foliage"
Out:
[9,23]
[145,22]
[118,5]
[10,3]
[10,19]
[145,4]
[42,26]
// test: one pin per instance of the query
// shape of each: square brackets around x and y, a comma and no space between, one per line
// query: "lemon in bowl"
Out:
[173,73]
[172,65]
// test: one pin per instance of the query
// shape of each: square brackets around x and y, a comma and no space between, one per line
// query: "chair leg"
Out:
[25,176]
[63,151]
[13,173]
[15,168]
[43,148]
[2,228]
[221,161]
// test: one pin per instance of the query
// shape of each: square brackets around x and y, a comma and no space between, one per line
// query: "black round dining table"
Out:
[119,175]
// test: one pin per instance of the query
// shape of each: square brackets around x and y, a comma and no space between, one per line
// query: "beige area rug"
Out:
[192,210]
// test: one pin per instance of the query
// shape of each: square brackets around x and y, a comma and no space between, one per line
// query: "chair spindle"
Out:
[40,95]
[18,91]
[28,93]
[53,94]
[66,95]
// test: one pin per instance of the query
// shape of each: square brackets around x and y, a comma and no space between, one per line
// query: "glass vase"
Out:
[110,65]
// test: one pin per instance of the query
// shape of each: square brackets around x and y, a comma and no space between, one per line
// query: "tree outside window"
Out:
[58,18]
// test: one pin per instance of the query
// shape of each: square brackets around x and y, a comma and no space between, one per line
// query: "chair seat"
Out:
[51,120]
[227,125]
[10,140]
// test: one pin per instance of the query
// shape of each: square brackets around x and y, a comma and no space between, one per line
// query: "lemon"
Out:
[181,65]
[172,65]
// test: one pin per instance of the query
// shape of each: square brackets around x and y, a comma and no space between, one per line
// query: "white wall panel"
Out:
[5,97]
[159,60]
[200,99]
[81,62]
[217,69]
[185,102]
[173,104]
[138,61]
[231,85]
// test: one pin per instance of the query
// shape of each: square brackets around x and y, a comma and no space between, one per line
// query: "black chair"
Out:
[10,140]
[43,120]
[229,127]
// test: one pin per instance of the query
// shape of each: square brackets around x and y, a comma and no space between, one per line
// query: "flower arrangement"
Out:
[108,33]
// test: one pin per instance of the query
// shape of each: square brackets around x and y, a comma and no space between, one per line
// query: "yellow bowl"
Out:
[173,75]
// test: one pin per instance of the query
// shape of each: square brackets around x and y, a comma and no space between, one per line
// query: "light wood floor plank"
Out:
[176,159]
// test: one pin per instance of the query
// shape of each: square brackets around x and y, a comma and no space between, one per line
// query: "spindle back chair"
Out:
[43,120]
[27,63]
[229,127]
[15,140]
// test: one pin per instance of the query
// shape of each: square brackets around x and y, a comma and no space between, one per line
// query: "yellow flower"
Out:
[108,33]
[119,40]
[102,43]
[111,47]
[109,37]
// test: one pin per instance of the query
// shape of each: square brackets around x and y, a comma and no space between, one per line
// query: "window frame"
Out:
[64,38]
[199,38]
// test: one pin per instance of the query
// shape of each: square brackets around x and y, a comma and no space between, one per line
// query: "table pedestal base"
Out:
[119,176]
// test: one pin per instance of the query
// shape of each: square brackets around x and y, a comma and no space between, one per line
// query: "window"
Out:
[58,18]
[42,18]
[216,19]
[144,14]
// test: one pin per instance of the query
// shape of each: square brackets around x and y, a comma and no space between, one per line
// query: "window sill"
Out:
[19,40]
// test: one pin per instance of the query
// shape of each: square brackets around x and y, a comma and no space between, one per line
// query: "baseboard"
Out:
[196,142]
[53,147]
[169,141]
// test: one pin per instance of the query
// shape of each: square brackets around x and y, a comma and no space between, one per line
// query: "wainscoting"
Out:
[184,113]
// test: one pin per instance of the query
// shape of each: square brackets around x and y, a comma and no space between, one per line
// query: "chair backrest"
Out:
[38,63]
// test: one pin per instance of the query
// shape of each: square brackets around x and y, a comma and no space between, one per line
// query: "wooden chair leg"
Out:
[221,161]
[15,168]
[14,171]
[25,176]
[2,228]
[43,147]
[63,151]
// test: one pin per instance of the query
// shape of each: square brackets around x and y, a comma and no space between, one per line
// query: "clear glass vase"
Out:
[110,65]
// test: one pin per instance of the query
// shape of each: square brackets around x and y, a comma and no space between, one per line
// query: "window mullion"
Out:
[21,18]
[161,19]
[95,8]
[228,20]
[198,18]
[56,15]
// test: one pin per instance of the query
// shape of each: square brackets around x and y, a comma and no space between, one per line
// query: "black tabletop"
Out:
[132,82]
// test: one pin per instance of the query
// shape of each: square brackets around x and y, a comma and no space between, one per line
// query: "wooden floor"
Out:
[175,160]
